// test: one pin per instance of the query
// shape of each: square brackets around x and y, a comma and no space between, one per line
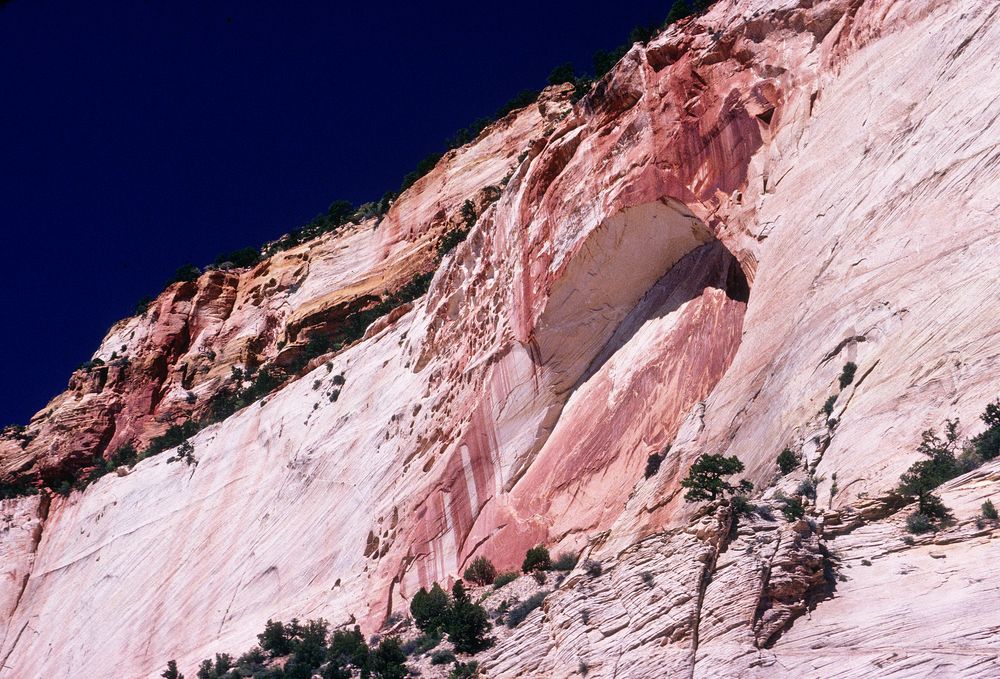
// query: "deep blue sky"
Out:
[140,135]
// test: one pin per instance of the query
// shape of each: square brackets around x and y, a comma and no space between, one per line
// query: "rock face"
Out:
[686,257]
[165,365]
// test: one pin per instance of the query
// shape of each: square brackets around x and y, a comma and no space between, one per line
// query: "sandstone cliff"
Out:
[686,257]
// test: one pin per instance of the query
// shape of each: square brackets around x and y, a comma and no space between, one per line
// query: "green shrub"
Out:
[580,89]
[653,465]
[467,622]
[464,670]
[565,562]
[185,274]
[223,663]
[386,661]
[828,405]
[340,211]
[348,649]
[642,34]
[792,509]
[519,100]
[274,640]
[925,475]
[919,523]
[787,461]
[564,73]
[807,487]
[241,259]
[450,241]
[309,644]
[251,662]
[175,435]
[505,579]
[741,506]
[185,454]
[171,671]
[421,644]
[518,613]
[125,455]
[705,478]
[91,364]
[469,215]
[678,10]
[592,568]
[430,609]
[142,306]
[536,559]
[989,511]
[932,506]
[423,167]
[604,61]
[442,657]
[16,488]
[847,374]
[987,444]
[481,571]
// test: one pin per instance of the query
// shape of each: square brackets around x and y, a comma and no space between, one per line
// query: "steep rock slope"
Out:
[688,258]
[165,365]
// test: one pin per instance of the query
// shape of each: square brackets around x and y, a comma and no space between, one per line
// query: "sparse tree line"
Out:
[343,212]
[944,458]
[297,650]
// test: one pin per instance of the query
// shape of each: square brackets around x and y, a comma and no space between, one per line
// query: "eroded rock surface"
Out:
[686,257]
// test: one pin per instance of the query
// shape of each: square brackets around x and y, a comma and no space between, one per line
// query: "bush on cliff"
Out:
[430,609]
[787,461]
[536,559]
[987,445]
[519,612]
[706,478]
[653,463]
[940,465]
[423,167]
[185,274]
[171,671]
[505,579]
[847,374]
[348,649]
[989,511]
[792,508]
[828,405]
[142,306]
[242,258]
[274,640]
[442,657]
[564,73]
[519,100]
[678,10]
[386,661]
[16,488]
[467,623]
[217,670]
[565,562]
[175,435]
[464,670]
[481,571]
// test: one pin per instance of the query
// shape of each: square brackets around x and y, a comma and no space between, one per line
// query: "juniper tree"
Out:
[706,478]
